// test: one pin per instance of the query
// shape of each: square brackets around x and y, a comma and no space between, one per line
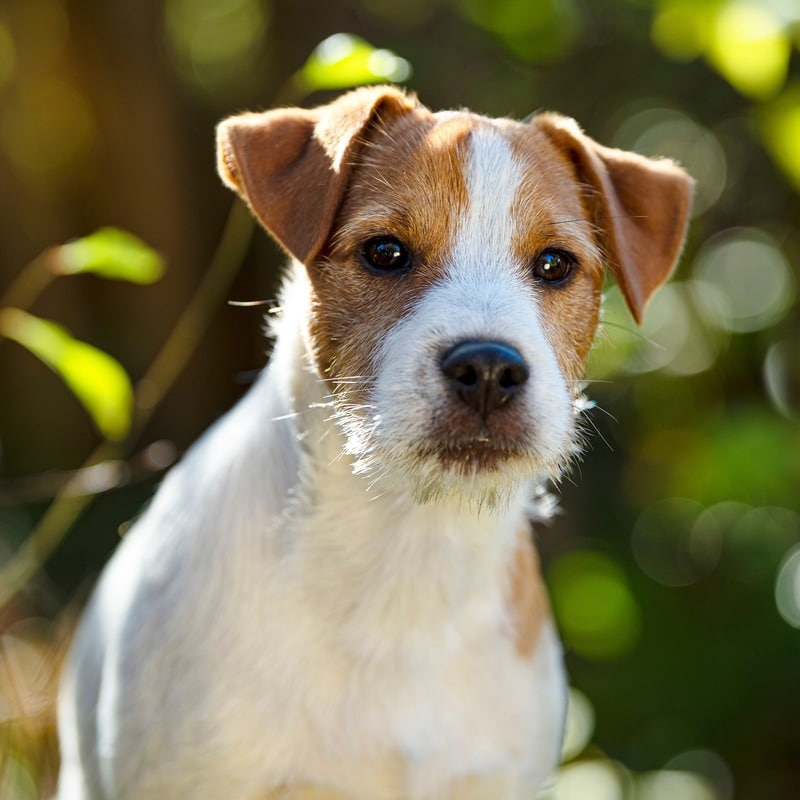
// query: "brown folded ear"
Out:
[639,205]
[290,165]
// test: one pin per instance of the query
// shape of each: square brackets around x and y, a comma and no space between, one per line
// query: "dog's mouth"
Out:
[473,453]
[477,468]
[472,462]
[462,440]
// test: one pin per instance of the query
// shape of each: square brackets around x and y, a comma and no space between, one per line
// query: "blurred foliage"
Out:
[96,379]
[111,253]
[344,61]
[675,566]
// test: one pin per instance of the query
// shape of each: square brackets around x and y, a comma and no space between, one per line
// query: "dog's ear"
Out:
[290,165]
[639,205]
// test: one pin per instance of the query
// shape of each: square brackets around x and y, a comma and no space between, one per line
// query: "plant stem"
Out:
[194,320]
[31,281]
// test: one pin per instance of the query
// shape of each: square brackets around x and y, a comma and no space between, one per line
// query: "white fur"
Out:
[276,616]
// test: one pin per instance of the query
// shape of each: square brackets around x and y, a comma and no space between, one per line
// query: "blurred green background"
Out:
[675,564]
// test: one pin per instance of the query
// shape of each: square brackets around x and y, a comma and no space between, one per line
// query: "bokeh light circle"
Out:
[787,588]
[750,283]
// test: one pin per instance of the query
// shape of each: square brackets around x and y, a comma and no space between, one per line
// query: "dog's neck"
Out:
[396,572]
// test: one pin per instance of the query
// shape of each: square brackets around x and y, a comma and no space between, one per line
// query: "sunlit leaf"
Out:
[96,379]
[681,28]
[344,60]
[780,125]
[750,48]
[112,253]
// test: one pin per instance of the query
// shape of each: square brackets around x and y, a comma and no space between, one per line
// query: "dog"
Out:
[335,595]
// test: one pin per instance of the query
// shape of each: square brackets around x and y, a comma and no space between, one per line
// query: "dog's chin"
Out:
[486,473]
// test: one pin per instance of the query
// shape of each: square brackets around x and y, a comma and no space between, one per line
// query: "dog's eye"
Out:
[386,254]
[553,266]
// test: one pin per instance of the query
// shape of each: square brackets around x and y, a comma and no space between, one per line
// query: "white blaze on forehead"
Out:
[493,179]
[482,275]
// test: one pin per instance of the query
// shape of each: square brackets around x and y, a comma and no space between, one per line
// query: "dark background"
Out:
[675,563]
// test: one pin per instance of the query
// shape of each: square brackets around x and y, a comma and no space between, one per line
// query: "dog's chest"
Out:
[398,671]
[417,730]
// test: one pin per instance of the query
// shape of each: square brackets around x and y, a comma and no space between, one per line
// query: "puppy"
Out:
[335,594]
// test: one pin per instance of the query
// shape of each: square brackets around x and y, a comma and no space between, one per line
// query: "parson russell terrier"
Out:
[335,594]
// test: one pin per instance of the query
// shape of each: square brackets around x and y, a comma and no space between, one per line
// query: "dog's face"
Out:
[456,265]
[456,302]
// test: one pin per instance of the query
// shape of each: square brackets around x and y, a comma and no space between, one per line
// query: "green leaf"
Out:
[97,380]
[682,28]
[344,60]
[750,47]
[111,253]
[780,126]
[748,42]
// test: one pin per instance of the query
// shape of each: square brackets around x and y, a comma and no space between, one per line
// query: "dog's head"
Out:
[456,265]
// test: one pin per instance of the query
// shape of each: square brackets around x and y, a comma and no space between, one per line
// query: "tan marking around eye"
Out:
[408,183]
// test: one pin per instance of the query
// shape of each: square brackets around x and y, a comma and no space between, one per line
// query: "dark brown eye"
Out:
[386,254]
[553,266]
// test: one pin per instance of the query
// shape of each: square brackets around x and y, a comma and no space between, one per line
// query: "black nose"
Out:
[485,375]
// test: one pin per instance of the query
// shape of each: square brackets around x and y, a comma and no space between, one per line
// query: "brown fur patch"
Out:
[527,600]
[272,158]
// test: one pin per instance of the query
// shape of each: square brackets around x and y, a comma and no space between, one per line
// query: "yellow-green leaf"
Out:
[95,378]
[111,253]
[681,28]
[780,125]
[750,48]
[344,60]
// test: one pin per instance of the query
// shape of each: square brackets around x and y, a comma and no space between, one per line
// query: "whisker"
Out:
[605,217]
[632,331]
[355,382]
[606,412]
[350,380]
[599,432]
[291,415]
[587,381]
[252,303]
